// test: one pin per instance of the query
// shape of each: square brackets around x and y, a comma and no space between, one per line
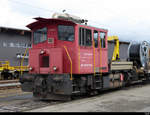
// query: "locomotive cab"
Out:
[62,46]
[49,40]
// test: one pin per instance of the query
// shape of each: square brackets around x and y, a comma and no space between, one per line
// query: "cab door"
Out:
[100,52]
[86,51]
[96,51]
[103,52]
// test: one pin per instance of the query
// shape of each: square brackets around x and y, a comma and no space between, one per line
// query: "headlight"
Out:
[54,68]
[42,52]
[30,68]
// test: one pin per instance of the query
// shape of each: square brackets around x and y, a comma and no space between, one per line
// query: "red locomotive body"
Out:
[57,48]
[68,58]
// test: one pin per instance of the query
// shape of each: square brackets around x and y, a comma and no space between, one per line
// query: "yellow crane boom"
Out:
[116,48]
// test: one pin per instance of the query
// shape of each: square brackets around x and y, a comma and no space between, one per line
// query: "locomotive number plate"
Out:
[50,40]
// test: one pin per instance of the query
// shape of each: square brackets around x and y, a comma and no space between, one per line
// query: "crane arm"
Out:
[116,48]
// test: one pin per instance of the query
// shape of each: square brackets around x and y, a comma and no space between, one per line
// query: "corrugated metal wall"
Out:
[8,48]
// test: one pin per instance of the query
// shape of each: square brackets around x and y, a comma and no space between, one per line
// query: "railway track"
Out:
[8,81]
[25,102]
[19,102]
[26,106]
[8,84]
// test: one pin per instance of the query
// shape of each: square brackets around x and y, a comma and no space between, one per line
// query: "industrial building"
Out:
[13,43]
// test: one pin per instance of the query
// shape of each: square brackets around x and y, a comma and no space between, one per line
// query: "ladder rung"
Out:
[98,87]
[98,74]
[97,81]
[74,85]
[76,92]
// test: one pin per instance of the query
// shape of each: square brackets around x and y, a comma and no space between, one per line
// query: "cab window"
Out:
[66,33]
[96,38]
[40,35]
[103,39]
[85,37]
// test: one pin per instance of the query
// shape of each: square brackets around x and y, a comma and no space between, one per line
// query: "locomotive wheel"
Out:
[40,87]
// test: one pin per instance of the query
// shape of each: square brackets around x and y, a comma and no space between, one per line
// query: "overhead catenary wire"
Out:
[36,7]
[49,11]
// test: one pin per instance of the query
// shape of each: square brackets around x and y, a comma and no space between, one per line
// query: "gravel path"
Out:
[14,100]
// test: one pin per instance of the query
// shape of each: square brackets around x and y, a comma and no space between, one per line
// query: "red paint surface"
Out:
[57,54]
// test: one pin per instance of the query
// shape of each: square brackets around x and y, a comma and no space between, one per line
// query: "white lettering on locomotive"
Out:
[88,54]
[86,65]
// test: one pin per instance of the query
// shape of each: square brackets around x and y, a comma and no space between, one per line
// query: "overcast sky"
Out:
[128,19]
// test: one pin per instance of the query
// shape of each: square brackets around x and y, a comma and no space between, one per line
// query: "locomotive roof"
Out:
[46,20]
[96,27]
[11,28]
[40,20]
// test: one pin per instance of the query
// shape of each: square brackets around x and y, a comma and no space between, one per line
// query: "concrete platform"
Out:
[135,99]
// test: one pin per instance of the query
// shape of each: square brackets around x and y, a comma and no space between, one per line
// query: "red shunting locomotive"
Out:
[69,58]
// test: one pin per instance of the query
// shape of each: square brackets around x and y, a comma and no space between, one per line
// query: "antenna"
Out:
[64,11]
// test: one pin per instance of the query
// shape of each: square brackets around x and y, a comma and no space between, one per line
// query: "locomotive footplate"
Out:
[121,65]
[48,87]
[26,81]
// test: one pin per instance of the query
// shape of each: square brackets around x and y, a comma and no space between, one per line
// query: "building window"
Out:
[22,45]
[17,45]
[96,38]
[103,39]
[21,55]
[4,44]
[29,46]
[66,33]
[85,37]
[11,44]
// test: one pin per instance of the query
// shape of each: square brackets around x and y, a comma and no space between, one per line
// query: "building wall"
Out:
[11,43]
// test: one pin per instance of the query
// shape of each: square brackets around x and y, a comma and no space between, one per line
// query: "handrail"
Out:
[94,55]
[100,59]
[23,60]
[69,60]
[79,58]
